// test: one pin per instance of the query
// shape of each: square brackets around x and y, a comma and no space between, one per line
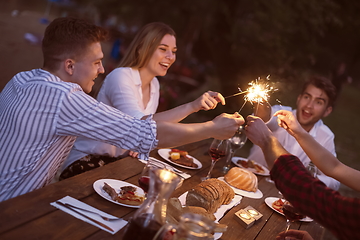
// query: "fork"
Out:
[113,218]
[167,166]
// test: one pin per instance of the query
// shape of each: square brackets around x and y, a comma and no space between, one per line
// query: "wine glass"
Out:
[236,142]
[144,179]
[291,214]
[312,169]
[217,150]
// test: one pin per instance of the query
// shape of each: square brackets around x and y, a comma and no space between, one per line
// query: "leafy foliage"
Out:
[244,39]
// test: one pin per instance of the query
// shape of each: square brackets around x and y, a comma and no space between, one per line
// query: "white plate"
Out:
[253,170]
[256,195]
[269,201]
[164,153]
[116,184]
[220,212]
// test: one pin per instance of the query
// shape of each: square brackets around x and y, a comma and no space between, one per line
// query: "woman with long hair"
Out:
[134,89]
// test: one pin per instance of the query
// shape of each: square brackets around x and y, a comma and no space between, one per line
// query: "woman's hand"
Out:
[288,121]
[294,235]
[207,101]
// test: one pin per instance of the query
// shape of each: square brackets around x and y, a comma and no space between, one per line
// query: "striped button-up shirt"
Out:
[40,118]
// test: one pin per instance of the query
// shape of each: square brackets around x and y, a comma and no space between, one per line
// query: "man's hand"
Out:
[294,235]
[288,121]
[226,125]
[133,154]
[257,131]
[207,101]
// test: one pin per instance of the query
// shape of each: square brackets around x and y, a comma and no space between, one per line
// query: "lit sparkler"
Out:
[258,92]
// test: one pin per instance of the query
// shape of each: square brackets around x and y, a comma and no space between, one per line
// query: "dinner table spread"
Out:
[44,213]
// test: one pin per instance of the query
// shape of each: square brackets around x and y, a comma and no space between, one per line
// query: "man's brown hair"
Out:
[324,84]
[69,37]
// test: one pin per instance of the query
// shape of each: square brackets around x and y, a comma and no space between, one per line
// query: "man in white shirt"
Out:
[42,111]
[315,102]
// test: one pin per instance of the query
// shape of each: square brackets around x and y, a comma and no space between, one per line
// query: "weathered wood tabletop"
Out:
[31,216]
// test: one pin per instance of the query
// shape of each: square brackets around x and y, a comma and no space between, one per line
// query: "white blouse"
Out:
[121,89]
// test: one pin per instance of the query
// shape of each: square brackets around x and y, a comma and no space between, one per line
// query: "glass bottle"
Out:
[151,216]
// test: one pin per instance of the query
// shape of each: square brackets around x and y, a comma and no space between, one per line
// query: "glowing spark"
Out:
[258,92]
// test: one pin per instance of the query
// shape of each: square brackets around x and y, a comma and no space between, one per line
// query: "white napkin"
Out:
[222,210]
[116,225]
[167,166]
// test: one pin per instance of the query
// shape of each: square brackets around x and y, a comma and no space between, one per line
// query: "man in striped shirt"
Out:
[42,111]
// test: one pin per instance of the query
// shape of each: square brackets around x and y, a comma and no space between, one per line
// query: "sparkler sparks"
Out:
[258,92]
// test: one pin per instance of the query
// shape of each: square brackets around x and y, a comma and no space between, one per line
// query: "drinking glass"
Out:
[217,150]
[312,169]
[144,179]
[236,142]
[291,214]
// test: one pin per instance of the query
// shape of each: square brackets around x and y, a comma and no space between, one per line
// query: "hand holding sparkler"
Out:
[207,101]
[288,121]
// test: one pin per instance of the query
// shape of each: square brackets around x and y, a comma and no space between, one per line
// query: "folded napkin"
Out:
[222,210]
[115,225]
[169,167]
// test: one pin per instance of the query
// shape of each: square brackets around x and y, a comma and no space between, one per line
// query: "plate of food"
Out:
[256,195]
[120,192]
[179,158]
[251,165]
[276,204]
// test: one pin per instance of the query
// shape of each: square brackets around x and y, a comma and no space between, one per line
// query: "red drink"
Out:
[216,154]
[291,213]
[140,229]
[144,183]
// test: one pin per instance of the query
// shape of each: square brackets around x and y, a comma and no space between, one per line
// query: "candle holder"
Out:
[244,218]
[253,212]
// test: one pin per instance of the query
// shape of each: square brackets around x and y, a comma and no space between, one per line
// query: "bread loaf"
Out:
[210,195]
[242,179]
[200,211]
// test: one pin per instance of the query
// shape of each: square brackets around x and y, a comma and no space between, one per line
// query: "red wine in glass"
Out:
[141,229]
[217,150]
[291,215]
[144,183]
[216,154]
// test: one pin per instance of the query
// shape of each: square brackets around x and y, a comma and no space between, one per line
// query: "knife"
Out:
[91,219]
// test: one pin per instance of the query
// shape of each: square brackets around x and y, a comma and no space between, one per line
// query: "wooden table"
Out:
[31,216]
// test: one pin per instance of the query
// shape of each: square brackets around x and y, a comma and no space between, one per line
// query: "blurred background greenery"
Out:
[223,45]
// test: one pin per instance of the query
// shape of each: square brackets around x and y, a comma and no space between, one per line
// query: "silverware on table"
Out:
[167,166]
[68,206]
[111,218]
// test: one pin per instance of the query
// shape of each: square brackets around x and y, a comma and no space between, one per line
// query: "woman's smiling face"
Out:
[163,57]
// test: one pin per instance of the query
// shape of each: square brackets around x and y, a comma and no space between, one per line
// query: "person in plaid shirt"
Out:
[309,195]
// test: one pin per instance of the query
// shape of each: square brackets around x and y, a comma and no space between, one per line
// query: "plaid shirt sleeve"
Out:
[337,213]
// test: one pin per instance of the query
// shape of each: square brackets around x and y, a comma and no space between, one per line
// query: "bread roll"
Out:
[200,211]
[210,195]
[174,210]
[242,179]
